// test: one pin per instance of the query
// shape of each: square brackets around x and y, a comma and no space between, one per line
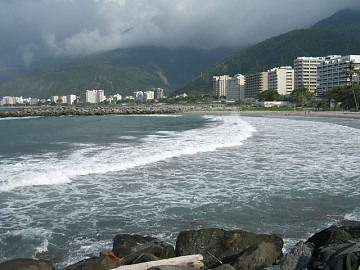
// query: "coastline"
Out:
[164,109]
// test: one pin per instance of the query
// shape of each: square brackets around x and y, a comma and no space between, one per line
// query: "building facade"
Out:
[220,84]
[236,87]
[94,96]
[281,79]
[305,72]
[332,72]
[255,84]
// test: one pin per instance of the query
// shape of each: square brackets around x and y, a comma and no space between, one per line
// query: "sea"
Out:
[69,185]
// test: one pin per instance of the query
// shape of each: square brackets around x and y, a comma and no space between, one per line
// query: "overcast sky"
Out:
[30,29]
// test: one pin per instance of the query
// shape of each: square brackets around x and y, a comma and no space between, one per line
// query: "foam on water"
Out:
[226,131]
[19,118]
[290,177]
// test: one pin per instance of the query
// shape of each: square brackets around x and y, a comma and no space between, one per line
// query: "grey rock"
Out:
[129,247]
[257,257]
[220,246]
[26,264]
[298,258]
[95,263]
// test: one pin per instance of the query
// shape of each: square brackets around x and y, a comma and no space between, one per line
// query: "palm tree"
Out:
[350,72]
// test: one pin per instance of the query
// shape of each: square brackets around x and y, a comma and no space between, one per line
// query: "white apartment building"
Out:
[158,93]
[236,87]
[305,72]
[281,79]
[220,84]
[332,72]
[94,96]
[255,84]
[70,99]
[139,96]
[148,95]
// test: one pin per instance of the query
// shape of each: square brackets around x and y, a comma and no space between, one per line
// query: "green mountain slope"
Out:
[120,71]
[274,52]
[346,22]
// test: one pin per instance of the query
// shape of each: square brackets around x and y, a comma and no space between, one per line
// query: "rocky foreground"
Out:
[337,247]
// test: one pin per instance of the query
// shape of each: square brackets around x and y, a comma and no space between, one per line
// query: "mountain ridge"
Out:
[182,69]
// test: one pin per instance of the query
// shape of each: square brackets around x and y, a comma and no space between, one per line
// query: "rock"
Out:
[171,267]
[220,246]
[257,257]
[337,257]
[298,258]
[95,263]
[130,247]
[330,236]
[46,255]
[26,264]
[145,257]
[224,267]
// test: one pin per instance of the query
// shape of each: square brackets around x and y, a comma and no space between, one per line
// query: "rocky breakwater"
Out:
[86,111]
[334,248]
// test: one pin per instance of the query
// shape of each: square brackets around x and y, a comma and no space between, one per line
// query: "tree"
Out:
[301,96]
[269,95]
[343,95]
[350,72]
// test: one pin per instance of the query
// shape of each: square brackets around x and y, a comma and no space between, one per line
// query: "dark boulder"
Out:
[130,247]
[224,267]
[330,236]
[26,264]
[257,257]
[95,263]
[335,241]
[298,258]
[171,267]
[337,257]
[219,246]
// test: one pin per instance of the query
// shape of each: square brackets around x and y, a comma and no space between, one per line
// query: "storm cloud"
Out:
[31,29]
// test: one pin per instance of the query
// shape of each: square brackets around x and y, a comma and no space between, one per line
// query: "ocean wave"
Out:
[221,132]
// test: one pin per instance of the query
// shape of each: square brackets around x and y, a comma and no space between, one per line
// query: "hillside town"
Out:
[316,74]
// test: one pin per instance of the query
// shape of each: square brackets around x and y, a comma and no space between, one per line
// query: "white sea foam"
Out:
[225,131]
[19,118]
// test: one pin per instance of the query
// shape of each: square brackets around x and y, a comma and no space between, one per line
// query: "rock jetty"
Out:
[88,111]
[336,247]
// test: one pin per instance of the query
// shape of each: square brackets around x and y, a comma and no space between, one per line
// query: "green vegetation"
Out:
[343,96]
[120,71]
[275,52]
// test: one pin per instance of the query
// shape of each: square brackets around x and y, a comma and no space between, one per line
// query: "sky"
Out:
[33,29]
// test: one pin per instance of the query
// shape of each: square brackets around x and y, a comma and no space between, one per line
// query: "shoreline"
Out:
[164,109]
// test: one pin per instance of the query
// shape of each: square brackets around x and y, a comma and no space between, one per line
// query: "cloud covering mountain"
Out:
[31,29]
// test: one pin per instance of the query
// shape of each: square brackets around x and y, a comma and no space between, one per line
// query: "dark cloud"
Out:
[34,28]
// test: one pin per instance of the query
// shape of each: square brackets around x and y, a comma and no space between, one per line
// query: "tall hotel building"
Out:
[220,84]
[332,71]
[281,79]
[255,84]
[236,87]
[305,72]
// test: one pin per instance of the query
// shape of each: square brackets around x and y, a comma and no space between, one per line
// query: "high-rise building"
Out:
[236,87]
[158,93]
[305,72]
[220,85]
[332,71]
[281,79]
[94,96]
[255,84]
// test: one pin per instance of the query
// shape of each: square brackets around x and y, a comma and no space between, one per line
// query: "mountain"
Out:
[185,69]
[346,22]
[283,49]
[119,71]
